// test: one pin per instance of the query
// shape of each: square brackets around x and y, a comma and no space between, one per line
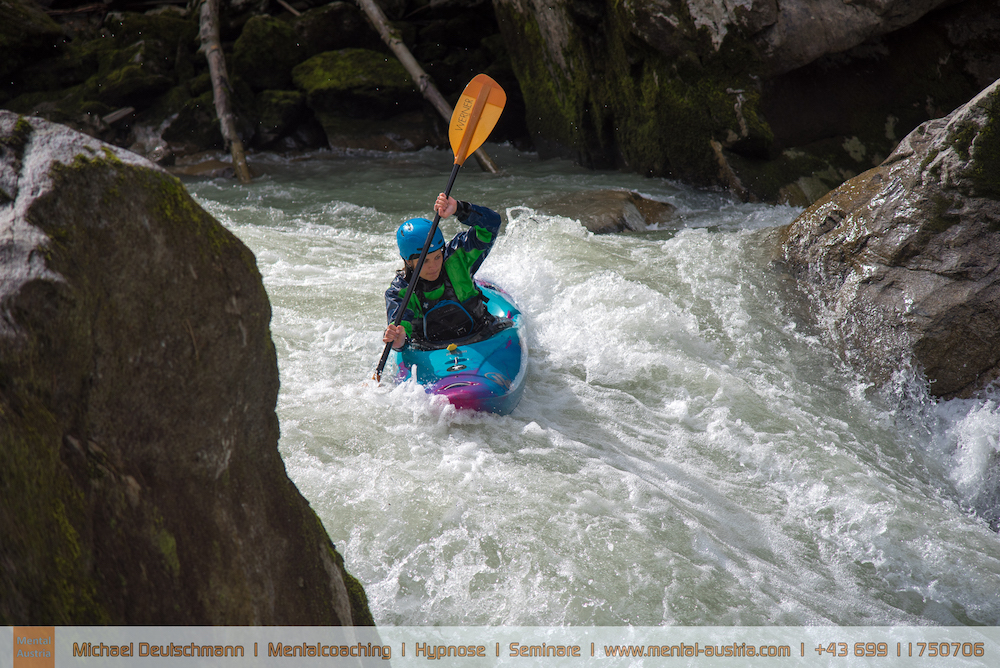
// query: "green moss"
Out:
[25,32]
[265,53]
[171,201]
[612,100]
[361,614]
[562,110]
[940,219]
[929,158]
[168,42]
[196,124]
[985,167]
[357,83]
[167,545]
[18,138]
[280,110]
[961,139]
[40,509]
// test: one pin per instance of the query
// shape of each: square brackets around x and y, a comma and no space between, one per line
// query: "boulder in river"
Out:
[904,259]
[140,480]
[610,211]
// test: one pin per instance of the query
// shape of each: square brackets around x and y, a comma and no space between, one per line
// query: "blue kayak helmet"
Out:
[411,236]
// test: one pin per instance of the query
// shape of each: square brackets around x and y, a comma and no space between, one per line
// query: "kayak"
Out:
[483,372]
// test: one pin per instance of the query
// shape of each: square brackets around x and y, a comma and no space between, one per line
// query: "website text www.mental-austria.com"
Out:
[741,650]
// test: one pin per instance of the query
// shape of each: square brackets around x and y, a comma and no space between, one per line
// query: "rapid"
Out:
[688,450]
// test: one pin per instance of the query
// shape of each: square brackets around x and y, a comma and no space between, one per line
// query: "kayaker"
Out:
[446,305]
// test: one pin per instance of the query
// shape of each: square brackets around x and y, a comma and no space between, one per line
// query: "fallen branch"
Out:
[210,44]
[291,10]
[420,77]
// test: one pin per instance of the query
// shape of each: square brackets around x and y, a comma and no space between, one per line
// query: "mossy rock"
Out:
[266,52]
[984,150]
[133,324]
[905,256]
[356,83]
[133,65]
[77,62]
[280,111]
[27,33]
[133,84]
[335,26]
[169,43]
[196,125]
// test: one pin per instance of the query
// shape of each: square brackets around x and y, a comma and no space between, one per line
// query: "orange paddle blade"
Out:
[475,116]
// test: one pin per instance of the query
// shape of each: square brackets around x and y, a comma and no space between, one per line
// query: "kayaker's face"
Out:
[432,265]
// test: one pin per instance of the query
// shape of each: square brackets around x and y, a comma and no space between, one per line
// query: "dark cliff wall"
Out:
[776,101]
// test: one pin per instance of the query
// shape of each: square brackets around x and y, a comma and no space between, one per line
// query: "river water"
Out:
[688,451]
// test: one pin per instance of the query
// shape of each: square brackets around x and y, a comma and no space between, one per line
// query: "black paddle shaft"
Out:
[415,276]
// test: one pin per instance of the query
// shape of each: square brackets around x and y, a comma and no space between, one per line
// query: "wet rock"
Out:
[903,260]
[610,211]
[142,482]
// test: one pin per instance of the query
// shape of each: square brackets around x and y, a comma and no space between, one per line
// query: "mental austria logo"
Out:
[34,647]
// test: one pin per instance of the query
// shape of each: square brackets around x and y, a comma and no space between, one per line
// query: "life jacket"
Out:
[449,317]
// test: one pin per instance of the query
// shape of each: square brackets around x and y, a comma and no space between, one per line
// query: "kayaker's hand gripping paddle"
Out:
[475,116]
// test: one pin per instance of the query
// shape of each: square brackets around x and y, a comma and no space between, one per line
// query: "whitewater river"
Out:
[687,452]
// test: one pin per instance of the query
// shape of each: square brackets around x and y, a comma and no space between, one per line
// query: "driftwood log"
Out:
[210,44]
[420,77]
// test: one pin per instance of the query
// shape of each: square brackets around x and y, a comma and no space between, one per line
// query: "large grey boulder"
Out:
[140,480]
[904,260]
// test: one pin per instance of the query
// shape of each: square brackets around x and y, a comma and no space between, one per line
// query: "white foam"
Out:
[685,452]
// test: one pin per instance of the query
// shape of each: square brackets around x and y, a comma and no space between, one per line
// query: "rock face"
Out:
[779,101]
[140,481]
[904,260]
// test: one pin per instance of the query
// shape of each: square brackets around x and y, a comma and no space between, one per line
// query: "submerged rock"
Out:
[904,259]
[609,211]
[141,481]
